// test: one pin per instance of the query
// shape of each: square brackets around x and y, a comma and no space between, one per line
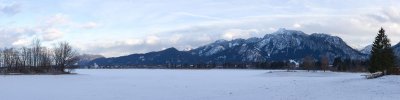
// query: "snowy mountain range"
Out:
[367,50]
[281,45]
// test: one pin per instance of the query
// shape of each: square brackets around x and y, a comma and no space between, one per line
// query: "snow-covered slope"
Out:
[367,49]
[396,49]
[145,84]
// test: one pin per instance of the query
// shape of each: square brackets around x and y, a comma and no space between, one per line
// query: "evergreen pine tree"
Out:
[338,63]
[382,56]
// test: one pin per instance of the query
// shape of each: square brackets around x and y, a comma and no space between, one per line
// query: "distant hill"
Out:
[85,59]
[367,49]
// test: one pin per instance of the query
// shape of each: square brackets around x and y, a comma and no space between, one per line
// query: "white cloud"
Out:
[51,34]
[392,14]
[204,38]
[21,42]
[197,15]
[53,27]
[180,24]
[112,48]
[132,42]
[57,19]
[15,36]
[228,35]
[89,25]
[10,9]
[296,25]
[152,40]
[175,38]
[239,33]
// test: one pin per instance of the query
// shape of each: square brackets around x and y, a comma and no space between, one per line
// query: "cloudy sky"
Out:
[120,27]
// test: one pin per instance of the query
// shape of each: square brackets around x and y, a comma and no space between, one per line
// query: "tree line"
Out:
[308,63]
[36,59]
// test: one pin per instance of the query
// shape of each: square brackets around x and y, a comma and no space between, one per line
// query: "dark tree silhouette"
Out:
[308,62]
[382,57]
[338,63]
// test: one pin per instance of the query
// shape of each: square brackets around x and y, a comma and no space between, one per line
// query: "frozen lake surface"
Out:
[163,84]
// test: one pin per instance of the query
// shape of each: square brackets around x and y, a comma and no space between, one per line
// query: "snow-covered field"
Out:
[159,84]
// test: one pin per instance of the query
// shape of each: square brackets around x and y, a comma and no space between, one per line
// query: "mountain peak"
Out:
[171,49]
[282,29]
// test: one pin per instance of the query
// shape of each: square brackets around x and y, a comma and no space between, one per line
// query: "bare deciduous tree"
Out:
[308,62]
[64,56]
[324,62]
[38,59]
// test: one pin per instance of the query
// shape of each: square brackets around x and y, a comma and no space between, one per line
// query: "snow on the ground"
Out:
[159,84]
